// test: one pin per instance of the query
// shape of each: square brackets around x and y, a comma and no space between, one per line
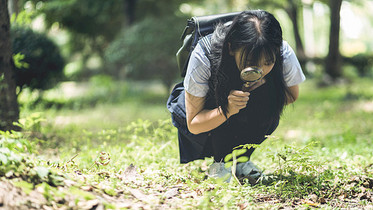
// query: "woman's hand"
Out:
[237,100]
[257,84]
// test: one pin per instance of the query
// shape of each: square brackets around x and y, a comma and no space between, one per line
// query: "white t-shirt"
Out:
[198,71]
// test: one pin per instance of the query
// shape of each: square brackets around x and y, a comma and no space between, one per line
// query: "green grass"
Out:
[320,155]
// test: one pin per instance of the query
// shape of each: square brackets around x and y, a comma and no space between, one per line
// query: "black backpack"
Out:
[196,28]
[191,146]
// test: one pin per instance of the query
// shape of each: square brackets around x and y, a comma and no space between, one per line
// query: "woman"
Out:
[217,110]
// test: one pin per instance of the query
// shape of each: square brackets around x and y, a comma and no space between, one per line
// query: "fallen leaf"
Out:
[189,195]
[104,159]
[171,193]
[149,199]
[313,197]
[86,188]
[69,183]
[130,174]
[139,195]
[310,203]
[322,200]
[90,204]
[242,206]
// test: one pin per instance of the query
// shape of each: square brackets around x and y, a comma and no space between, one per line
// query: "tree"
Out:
[91,24]
[9,110]
[292,8]
[333,63]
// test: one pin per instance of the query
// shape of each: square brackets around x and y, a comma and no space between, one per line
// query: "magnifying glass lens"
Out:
[251,74]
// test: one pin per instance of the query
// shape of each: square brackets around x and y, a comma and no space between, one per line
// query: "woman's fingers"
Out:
[239,96]
[237,100]
[257,84]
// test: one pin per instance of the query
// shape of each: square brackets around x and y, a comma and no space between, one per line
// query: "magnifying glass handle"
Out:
[246,86]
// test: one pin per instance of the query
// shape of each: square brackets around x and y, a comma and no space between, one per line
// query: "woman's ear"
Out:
[230,49]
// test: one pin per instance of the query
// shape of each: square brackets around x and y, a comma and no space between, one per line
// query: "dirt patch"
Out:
[12,197]
[367,106]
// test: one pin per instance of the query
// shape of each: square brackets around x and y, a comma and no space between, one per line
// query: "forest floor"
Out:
[124,155]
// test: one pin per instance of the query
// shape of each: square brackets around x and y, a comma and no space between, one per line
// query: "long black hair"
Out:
[259,34]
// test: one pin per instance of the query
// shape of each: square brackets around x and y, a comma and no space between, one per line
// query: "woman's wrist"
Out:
[220,110]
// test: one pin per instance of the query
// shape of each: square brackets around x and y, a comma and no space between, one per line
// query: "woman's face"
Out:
[265,64]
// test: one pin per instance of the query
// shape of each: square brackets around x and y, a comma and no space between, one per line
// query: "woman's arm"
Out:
[201,120]
[294,91]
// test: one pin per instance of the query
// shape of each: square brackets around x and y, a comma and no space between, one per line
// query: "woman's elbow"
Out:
[193,129]
[293,94]
[293,99]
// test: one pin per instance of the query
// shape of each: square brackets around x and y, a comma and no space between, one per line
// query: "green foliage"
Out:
[298,173]
[44,64]
[91,18]
[320,156]
[23,18]
[26,187]
[90,25]
[18,61]
[363,64]
[15,161]
[147,49]
[31,122]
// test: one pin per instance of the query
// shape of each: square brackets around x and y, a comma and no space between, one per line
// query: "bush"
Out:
[147,49]
[362,62]
[45,63]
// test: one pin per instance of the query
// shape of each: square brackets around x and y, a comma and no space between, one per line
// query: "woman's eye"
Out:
[269,63]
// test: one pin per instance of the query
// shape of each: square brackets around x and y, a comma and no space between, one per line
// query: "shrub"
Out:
[362,62]
[147,49]
[45,63]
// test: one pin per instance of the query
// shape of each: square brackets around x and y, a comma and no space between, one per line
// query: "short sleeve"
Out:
[198,73]
[293,74]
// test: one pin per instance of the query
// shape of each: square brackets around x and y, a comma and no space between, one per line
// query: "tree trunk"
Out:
[333,64]
[13,7]
[130,9]
[9,110]
[292,11]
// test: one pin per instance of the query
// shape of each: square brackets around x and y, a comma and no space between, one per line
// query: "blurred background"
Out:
[93,76]
[78,53]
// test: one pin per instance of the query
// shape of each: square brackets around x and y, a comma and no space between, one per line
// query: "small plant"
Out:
[237,156]
[31,122]
[15,161]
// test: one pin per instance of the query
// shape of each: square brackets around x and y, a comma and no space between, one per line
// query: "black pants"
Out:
[250,126]
[221,141]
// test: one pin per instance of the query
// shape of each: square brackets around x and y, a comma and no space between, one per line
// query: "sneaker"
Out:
[248,170]
[218,170]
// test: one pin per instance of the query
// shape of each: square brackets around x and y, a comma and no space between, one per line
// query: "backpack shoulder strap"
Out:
[205,43]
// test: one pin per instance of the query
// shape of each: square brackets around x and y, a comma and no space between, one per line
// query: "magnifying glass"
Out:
[250,76]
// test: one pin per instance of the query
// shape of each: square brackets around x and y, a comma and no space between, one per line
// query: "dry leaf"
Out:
[86,188]
[69,183]
[313,197]
[171,193]
[242,206]
[90,204]
[130,174]
[310,203]
[104,159]
[141,196]
[322,200]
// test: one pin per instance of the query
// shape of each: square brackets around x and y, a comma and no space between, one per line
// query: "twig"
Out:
[73,158]
[234,167]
